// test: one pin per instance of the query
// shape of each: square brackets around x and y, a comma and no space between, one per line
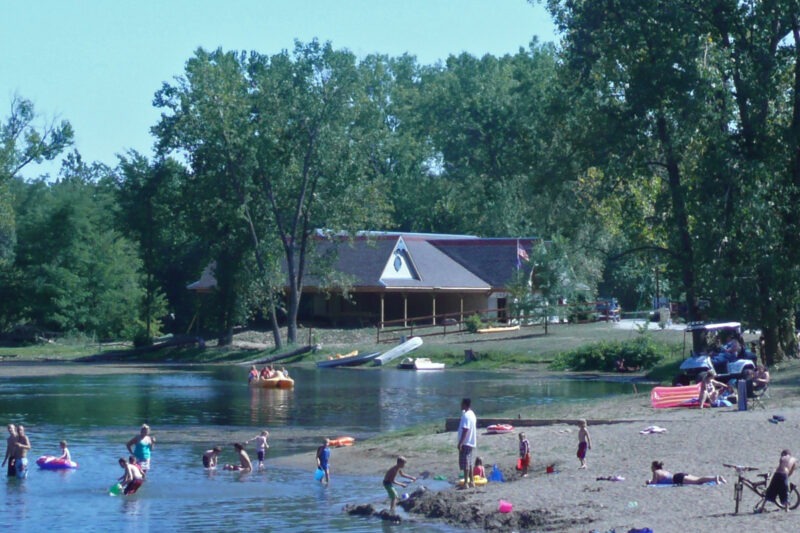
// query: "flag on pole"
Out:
[522,255]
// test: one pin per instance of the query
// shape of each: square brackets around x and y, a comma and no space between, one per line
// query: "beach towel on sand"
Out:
[653,429]
[660,485]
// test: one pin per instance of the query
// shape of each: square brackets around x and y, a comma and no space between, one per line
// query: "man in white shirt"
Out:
[467,440]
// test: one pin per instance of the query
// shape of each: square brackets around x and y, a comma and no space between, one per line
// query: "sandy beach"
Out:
[696,442]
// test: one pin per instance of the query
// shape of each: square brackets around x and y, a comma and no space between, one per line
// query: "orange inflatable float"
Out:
[341,441]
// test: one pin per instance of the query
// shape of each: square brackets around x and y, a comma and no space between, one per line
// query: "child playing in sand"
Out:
[478,469]
[584,443]
[210,457]
[389,480]
[261,447]
[524,454]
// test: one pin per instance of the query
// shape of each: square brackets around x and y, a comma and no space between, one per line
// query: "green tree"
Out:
[286,140]
[78,273]
[703,97]
[153,213]
[23,143]
[479,117]
[209,122]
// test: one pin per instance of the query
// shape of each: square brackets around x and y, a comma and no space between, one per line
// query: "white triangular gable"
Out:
[399,265]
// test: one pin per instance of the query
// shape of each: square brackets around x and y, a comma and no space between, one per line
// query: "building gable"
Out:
[399,265]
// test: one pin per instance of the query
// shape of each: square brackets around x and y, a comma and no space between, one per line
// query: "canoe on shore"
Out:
[348,360]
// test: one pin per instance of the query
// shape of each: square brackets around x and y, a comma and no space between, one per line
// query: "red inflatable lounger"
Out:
[664,397]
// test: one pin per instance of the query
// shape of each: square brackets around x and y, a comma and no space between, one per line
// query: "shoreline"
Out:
[696,441]
[574,500]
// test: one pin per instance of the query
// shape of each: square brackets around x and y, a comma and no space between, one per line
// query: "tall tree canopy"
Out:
[22,143]
[278,146]
[76,272]
[703,97]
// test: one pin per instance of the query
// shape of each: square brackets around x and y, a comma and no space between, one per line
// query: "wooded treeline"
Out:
[657,147]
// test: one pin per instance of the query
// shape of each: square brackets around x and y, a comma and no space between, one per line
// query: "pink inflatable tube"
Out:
[50,462]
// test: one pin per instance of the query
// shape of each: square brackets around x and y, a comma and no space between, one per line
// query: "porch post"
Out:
[434,309]
[461,315]
[405,310]
[383,316]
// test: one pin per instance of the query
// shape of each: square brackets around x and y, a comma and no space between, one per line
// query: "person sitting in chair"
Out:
[761,377]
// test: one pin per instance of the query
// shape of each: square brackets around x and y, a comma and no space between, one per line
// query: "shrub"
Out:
[473,323]
[142,339]
[641,352]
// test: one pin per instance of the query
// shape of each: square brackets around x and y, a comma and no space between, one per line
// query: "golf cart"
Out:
[709,353]
[608,309]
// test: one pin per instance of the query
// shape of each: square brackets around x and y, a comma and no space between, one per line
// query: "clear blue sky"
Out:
[97,63]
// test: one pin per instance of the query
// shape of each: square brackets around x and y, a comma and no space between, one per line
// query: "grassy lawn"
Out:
[64,350]
[528,346]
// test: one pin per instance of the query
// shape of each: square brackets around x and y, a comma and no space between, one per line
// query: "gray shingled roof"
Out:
[492,260]
[441,261]
[362,259]
[436,270]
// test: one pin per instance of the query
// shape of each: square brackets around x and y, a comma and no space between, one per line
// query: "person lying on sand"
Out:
[664,477]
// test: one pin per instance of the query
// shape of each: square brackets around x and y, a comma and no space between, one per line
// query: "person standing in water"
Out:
[141,446]
[21,452]
[323,460]
[390,479]
[11,445]
[261,447]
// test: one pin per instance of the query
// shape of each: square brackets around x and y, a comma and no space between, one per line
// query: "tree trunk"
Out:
[294,308]
[276,329]
[685,252]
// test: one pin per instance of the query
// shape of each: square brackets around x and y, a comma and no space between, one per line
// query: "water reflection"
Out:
[193,409]
[353,400]
[270,406]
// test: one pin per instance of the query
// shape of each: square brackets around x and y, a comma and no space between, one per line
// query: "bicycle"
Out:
[759,487]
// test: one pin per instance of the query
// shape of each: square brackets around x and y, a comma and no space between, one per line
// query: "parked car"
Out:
[704,357]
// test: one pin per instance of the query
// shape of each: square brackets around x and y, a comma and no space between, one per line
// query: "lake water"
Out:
[190,409]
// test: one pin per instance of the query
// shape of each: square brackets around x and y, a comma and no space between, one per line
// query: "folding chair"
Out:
[758,396]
